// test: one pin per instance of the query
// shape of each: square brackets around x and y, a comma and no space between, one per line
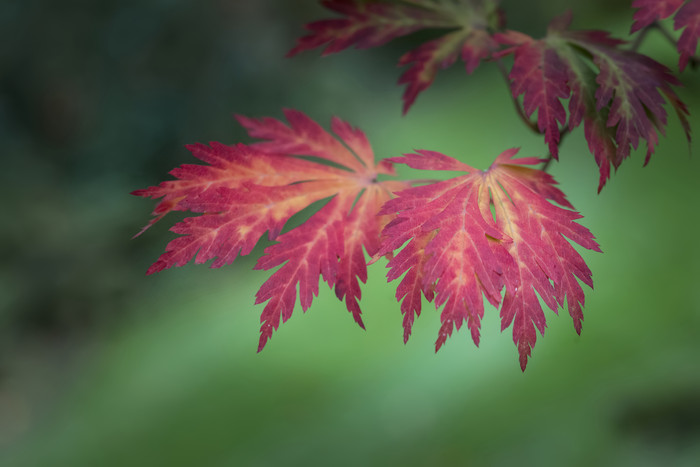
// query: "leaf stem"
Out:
[545,164]
[642,35]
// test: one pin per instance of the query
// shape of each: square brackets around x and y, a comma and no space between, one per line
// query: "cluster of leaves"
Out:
[620,99]
[504,234]
[618,94]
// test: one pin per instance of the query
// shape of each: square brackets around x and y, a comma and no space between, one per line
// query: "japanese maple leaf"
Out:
[367,24]
[456,251]
[621,99]
[687,18]
[246,190]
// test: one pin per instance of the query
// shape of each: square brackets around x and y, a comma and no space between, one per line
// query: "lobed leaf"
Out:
[247,190]
[458,252]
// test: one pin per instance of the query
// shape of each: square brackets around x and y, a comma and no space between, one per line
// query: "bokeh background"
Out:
[102,366]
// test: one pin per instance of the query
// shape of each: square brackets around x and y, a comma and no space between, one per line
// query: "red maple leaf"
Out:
[620,100]
[687,18]
[460,252]
[247,190]
[367,24]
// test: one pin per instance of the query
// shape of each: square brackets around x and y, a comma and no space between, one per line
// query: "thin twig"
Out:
[545,164]
[642,35]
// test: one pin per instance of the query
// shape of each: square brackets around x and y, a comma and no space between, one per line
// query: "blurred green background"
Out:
[102,366]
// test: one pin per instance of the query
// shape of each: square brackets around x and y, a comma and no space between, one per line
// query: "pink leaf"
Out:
[461,252]
[246,191]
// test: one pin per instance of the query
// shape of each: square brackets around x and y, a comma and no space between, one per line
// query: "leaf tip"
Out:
[156,267]
[265,335]
[523,364]
[358,320]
